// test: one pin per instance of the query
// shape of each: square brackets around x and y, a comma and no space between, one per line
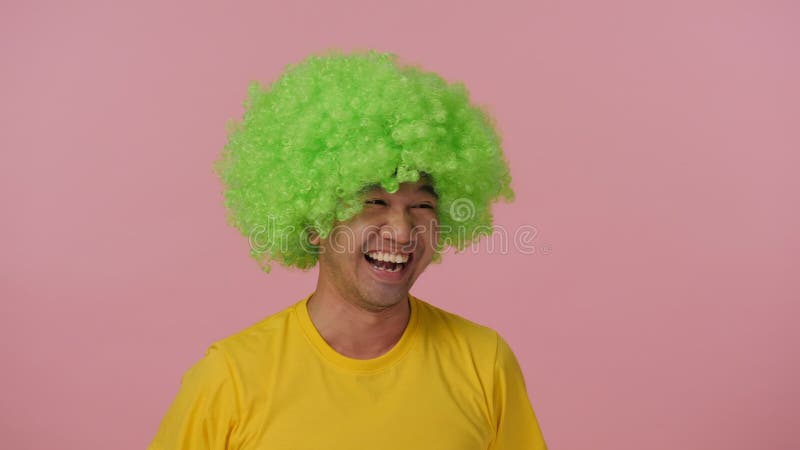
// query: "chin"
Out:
[385,296]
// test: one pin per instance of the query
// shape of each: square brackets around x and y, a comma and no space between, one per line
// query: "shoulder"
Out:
[445,326]
[220,387]
[257,339]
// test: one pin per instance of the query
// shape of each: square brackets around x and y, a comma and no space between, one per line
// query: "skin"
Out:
[359,313]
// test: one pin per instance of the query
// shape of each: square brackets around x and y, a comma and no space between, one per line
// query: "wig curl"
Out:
[334,123]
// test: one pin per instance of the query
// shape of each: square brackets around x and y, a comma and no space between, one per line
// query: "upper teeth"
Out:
[389,257]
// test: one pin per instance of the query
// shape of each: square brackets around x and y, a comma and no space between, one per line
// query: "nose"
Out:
[398,227]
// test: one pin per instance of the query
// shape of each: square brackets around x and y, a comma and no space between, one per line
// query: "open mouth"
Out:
[388,262]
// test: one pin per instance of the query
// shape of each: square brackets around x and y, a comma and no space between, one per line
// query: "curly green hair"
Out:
[334,123]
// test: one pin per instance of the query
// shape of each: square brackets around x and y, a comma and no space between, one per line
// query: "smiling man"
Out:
[395,236]
[370,169]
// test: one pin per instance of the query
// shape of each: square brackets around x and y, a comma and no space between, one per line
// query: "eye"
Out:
[425,205]
[375,201]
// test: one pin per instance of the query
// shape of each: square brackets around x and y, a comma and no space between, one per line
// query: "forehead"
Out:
[421,187]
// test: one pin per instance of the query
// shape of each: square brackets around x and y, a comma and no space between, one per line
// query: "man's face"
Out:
[374,258]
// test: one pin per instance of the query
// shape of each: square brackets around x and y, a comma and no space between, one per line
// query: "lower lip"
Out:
[385,275]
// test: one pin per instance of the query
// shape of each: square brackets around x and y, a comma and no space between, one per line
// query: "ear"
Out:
[313,237]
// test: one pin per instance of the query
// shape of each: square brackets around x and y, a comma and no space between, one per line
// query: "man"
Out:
[365,167]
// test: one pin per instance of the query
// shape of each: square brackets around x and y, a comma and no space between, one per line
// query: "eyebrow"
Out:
[368,188]
[429,189]
[424,188]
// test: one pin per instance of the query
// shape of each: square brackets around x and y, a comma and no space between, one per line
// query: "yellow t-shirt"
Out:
[448,384]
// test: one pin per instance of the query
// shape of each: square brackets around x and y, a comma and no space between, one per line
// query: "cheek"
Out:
[425,227]
[429,233]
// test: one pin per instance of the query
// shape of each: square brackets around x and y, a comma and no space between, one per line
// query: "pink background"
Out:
[654,147]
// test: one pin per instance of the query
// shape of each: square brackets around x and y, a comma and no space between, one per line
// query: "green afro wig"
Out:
[334,123]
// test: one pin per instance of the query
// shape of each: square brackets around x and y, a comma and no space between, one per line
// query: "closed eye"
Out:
[425,205]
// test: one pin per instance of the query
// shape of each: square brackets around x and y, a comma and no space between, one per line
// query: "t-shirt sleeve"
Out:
[515,421]
[203,414]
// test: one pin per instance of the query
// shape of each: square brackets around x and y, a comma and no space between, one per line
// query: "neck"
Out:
[355,330]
